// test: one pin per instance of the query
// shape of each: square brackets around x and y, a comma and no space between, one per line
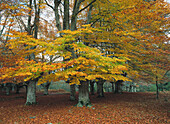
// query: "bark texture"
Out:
[100,91]
[31,93]
[66,15]
[83,99]
[46,86]
[72,93]
[92,87]
[118,86]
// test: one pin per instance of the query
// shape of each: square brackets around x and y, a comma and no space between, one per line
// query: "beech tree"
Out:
[137,30]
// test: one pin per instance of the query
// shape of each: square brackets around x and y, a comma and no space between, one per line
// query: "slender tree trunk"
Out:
[8,89]
[29,17]
[84,99]
[113,88]
[26,90]
[31,93]
[157,88]
[72,92]
[56,12]
[92,87]
[134,88]
[130,88]
[116,87]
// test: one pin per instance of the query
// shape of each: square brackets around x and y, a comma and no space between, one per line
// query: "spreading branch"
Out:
[49,5]
[85,7]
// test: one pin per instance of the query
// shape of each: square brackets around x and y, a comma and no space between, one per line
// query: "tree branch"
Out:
[49,5]
[85,7]
[22,22]
[95,22]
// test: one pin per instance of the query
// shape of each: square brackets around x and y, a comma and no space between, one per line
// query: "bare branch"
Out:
[86,7]
[50,5]
[22,22]
[4,25]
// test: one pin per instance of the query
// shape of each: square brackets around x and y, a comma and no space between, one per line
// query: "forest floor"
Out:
[126,108]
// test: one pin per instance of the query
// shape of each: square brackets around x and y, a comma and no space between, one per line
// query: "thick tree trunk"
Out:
[66,15]
[31,93]
[76,7]
[118,86]
[17,88]
[84,99]
[100,91]
[72,92]
[92,87]
[46,86]
[45,91]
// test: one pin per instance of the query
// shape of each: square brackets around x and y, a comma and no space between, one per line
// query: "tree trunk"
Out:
[56,12]
[66,15]
[100,91]
[84,99]
[7,90]
[31,93]
[157,88]
[118,86]
[92,87]
[45,90]
[72,92]
[8,87]
[46,86]
[134,88]
[17,88]
[13,87]
[76,7]
[113,88]
[130,88]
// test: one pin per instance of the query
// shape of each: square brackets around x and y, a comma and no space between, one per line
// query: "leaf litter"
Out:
[123,108]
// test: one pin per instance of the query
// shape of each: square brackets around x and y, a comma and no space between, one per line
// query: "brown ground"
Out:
[127,108]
